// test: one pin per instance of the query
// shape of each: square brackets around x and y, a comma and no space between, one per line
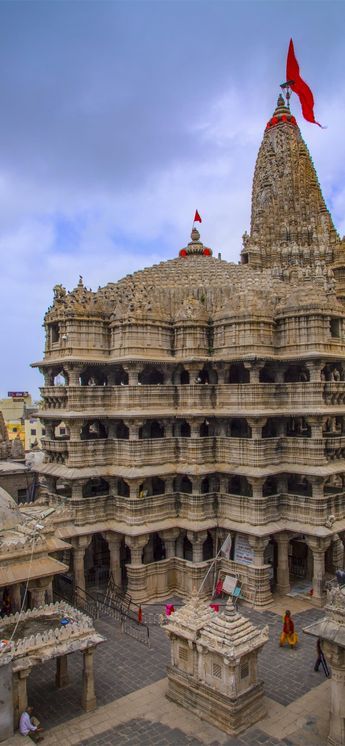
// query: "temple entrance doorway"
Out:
[300,566]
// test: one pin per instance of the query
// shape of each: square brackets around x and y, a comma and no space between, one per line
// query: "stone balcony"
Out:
[238,398]
[195,451]
[189,510]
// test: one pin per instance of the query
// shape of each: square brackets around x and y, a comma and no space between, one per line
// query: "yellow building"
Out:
[15,428]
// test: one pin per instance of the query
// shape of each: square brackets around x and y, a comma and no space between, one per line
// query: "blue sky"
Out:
[119,119]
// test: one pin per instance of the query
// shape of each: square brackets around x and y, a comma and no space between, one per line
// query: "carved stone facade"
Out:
[201,397]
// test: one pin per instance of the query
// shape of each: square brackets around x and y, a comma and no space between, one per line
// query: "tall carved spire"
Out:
[290,223]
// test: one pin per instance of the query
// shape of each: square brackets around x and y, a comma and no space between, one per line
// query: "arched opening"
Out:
[332,372]
[296,374]
[121,430]
[205,486]
[207,549]
[203,376]
[122,488]
[151,376]
[60,377]
[204,430]
[299,485]
[94,430]
[270,430]
[93,376]
[184,377]
[151,429]
[266,374]
[239,485]
[182,483]
[187,549]
[97,561]
[270,487]
[182,429]
[95,486]
[297,427]
[120,377]
[157,486]
[239,428]
[238,373]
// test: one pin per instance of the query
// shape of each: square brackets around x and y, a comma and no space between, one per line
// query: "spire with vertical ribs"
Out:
[290,223]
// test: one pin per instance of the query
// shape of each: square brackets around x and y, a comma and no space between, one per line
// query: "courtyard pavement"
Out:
[131,684]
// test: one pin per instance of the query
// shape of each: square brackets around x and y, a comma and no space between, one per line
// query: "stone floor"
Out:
[133,709]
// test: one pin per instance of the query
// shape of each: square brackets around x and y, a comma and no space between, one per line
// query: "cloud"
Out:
[120,119]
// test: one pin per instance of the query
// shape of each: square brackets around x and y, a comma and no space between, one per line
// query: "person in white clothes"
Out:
[29,726]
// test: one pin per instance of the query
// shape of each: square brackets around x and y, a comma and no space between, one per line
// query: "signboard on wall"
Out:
[243,552]
[17,394]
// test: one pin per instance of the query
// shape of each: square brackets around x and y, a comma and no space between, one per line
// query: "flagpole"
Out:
[209,570]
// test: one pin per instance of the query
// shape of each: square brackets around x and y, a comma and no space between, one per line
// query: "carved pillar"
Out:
[195,427]
[314,367]
[254,371]
[77,488]
[197,539]
[318,486]
[256,425]
[88,697]
[196,483]
[134,485]
[16,602]
[179,544]
[136,545]
[37,588]
[258,545]
[74,429]
[223,372]
[318,546]
[257,484]
[133,427]
[316,424]
[336,657]
[22,696]
[169,537]
[61,676]
[74,375]
[80,544]
[168,484]
[168,428]
[337,552]
[114,544]
[133,371]
[283,578]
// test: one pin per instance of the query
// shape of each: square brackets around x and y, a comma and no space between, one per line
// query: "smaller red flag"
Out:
[197,218]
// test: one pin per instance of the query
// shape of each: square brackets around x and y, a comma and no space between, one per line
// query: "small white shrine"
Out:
[213,669]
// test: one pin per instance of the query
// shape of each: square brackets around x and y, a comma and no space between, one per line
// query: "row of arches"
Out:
[151,375]
[233,485]
[232,427]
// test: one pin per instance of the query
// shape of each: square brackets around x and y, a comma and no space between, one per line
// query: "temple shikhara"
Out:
[201,398]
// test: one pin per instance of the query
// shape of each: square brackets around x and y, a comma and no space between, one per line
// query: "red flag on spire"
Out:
[197,218]
[299,86]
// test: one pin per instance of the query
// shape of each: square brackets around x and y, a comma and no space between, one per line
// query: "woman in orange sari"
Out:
[288,634]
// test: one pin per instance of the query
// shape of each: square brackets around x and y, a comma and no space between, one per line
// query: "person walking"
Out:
[321,660]
[288,633]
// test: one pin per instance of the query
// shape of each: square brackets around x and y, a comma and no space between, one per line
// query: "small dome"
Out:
[192,310]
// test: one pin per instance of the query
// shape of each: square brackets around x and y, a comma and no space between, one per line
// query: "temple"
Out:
[201,398]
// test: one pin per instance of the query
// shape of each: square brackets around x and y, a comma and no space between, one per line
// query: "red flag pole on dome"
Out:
[298,86]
